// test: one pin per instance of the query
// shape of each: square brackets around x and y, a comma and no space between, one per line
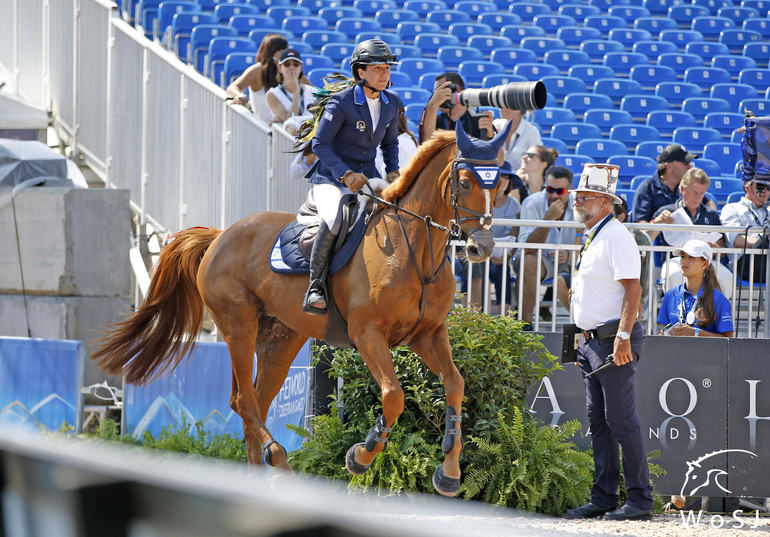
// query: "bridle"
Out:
[485,219]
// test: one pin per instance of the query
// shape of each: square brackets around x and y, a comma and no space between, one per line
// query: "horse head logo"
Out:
[699,474]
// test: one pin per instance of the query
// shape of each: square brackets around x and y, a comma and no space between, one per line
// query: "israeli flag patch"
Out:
[486,176]
[328,115]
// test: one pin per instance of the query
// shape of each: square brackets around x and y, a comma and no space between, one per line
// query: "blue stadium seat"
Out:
[423,7]
[316,76]
[711,26]
[318,38]
[713,5]
[235,64]
[639,105]
[759,79]
[695,138]
[302,48]
[652,49]
[337,52]
[560,86]
[453,56]
[724,122]
[399,79]
[700,106]
[650,149]
[551,23]
[465,30]
[705,77]
[547,117]
[446,17]
[733,197]
[314,61]
[760,5]
[628,13]
[541,45]
[632,134]
[658,8]
[219,48]
[388,37]
[573,36]
[200,38]
[243,24]
[676,92]
[680,62]
[428,79]
[598,48]
[622,62]
[413,112]
[576,163]
[429,43]
[707,165]
[616,88]
[734,93]
[414,67]
[739,14]
[146,15]
[298,25]
[733,64]
[262,5]
[606,118]
[474,8]
[257,35]
[666,121]
[411,95]
[278,13]
[488,44]
[680,37]
[491,81]
[684,14]
[535,71]
[649,76]
[565,58]
[555,143]
[737,39]
[166,12]
[527,11]
[631,166]
[706,49]
[760,107]
[722,187]
[572,132]
[315,5]
[510,57]
[181,30]
[600,149]
[759,52]
[352,26]
[655,24]
[588,73]
[390,18]
[407,31]
[580,102]
[629,36]
[578,11]
[726,155]
[604,23]
[626,194]
[758,24]
[332,14]
[498,19]
[474,71]
[517,32]
[369,8]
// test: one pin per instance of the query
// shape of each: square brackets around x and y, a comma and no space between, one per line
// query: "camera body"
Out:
[450,103]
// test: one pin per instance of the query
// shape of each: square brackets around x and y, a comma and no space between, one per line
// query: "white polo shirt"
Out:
[612,255]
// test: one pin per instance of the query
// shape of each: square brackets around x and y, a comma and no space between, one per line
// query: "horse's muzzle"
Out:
[479,245]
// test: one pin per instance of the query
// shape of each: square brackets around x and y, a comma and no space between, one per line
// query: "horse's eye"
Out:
[465,184]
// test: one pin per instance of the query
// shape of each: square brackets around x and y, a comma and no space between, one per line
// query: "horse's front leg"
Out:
[436,352]
[375,352]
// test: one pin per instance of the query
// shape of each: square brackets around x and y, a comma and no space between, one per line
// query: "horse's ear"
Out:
[499,139]
[464,143]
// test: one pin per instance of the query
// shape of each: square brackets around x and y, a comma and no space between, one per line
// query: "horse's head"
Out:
[474,182]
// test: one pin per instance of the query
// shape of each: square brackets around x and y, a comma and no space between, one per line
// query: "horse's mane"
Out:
[439,141]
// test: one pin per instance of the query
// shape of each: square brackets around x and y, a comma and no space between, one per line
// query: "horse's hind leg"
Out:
[277,346]
[436,352]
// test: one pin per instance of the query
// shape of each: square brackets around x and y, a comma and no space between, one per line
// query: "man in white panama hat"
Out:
[604,299]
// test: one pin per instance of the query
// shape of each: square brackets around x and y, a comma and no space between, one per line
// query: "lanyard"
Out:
[598,229]
[301,109]
[683,314]
[754,215]
[680,205]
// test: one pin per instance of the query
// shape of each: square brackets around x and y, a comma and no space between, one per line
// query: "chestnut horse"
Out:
[396,289]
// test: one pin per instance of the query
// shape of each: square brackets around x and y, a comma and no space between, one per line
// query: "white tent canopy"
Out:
[18,114]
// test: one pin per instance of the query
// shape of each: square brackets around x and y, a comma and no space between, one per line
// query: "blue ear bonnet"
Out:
[480,156]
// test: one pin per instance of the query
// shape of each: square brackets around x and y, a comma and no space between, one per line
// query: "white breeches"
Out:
[327,199]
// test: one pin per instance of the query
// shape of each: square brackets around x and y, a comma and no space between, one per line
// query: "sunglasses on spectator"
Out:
[558,191]
[530,155]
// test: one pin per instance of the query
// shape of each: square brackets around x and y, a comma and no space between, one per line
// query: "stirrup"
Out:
[315,307]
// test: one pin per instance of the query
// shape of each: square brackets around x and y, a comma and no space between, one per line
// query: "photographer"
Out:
[752,211]
[446,85]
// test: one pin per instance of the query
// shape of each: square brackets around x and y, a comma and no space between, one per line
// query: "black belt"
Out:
[603,331]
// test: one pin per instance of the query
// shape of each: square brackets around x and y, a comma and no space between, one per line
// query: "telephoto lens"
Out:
[514,96]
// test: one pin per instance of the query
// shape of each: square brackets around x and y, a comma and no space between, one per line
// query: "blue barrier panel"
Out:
[199,390]
[40,382]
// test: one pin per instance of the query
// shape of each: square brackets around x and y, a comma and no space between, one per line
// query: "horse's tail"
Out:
[164,328]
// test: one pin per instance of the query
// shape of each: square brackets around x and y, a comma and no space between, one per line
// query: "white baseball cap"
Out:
[695,248]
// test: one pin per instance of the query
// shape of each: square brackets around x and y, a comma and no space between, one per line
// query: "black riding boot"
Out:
[315,298]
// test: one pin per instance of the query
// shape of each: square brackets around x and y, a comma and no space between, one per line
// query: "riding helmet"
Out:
[371,52]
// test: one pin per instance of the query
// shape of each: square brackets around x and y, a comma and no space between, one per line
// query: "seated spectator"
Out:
[442,112]
[661,189]
[523,135]
[407,145]
[534,162]
[290,99]
[697,307]
[551,203]
[691,208]
[260,77]
[750,210]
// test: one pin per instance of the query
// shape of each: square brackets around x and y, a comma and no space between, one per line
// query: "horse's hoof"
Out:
[445,485]
[353,466]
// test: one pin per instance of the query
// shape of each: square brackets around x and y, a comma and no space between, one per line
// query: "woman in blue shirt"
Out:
[697,307]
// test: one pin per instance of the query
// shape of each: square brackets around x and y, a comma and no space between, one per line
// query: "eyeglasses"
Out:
[530,155]
[558,191]
[582,200]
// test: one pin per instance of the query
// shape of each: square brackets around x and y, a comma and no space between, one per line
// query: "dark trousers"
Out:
[614,422]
